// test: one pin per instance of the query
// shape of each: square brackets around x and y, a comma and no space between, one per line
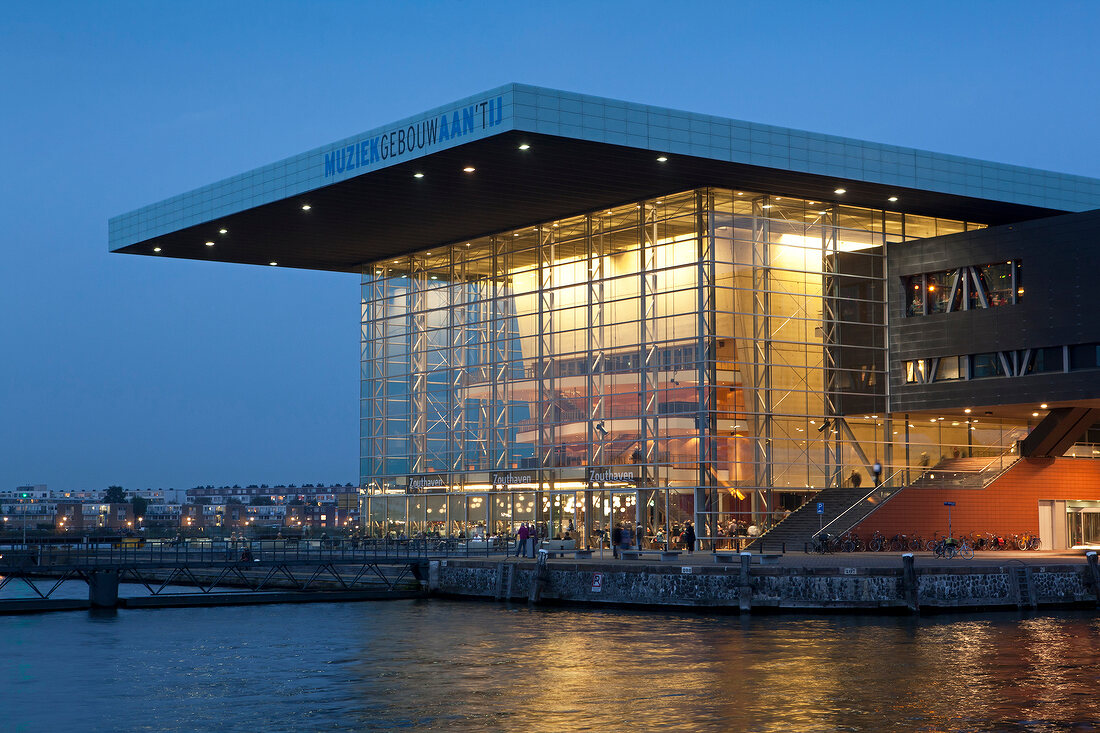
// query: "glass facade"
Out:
[714,355]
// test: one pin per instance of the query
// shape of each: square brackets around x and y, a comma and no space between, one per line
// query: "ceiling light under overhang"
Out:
[841,190]
[469,169]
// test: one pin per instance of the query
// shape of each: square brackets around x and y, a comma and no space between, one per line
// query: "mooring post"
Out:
[909,582]
[103,588]
[542,577]
[744,593]
[1095,570]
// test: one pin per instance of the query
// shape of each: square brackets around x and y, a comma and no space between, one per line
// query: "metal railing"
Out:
[18,556]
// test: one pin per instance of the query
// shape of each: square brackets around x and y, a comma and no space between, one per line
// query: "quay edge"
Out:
[722,587]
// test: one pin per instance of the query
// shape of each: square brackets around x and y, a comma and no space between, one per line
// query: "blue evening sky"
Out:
[153,372]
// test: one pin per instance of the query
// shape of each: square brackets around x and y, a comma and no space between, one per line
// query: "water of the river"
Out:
[472,666]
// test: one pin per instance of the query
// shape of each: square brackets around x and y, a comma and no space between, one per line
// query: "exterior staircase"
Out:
[846,507]
[799,529]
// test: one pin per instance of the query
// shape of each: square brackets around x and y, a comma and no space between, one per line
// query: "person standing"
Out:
[689,536]
[521,542]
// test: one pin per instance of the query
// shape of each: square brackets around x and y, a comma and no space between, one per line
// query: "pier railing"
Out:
[220,552]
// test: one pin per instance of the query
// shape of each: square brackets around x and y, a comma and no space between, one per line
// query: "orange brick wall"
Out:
[1008,506]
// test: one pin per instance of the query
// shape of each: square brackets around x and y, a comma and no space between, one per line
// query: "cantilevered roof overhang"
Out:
[539,154]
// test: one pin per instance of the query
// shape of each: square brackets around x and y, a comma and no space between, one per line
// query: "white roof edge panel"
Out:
[673,132]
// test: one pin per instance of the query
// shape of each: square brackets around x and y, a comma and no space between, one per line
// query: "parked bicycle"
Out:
[950,547]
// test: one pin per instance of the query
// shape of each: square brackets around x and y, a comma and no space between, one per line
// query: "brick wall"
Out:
[1009,505]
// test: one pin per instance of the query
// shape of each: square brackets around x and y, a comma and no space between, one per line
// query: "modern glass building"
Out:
[580,313]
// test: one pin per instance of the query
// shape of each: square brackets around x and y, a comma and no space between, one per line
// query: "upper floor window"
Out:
[964,288]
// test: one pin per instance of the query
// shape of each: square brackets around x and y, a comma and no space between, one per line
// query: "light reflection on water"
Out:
[480,666]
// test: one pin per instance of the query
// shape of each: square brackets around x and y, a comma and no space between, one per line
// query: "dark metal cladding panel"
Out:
[1060,274]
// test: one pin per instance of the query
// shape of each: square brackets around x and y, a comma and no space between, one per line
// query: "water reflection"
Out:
[477,666]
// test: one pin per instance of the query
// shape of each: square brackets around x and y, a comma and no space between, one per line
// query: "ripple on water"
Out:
[480,666]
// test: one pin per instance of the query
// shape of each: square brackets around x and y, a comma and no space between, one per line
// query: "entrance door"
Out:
[624,514]
[565,511]
[1046,525]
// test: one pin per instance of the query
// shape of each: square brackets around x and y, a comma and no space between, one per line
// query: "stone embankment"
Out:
[747,587]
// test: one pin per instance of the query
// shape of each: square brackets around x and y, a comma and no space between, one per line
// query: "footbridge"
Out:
[220,568]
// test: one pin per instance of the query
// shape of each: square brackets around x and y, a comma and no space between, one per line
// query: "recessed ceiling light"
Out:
[156,249]
[662,159]
[306,207]
[1043,406]
[766,206]
[418,175]
[1035,414]
[272,263]
[223,231]
[209,244]
[967,411]
[434,277]
[892,199]
[740,193]
[469,169]
[841,190]
[524,146]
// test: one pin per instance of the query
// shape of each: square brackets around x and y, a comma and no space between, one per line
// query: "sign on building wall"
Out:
[418,484]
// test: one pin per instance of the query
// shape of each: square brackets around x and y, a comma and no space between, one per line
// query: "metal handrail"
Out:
[886,491]
[18,556]
[884,486]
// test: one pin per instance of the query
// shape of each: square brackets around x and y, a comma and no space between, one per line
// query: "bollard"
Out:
[1095,570]
[542,577]
[103,588]
[744,592]
[909,582]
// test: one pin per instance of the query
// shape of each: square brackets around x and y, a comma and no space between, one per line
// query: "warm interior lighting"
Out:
[469,169]
[967,411]
[306,207]
[1035,414]
[418,175]
[841,190]
[223,231]
[1043,406]
[892,199]
[209,244]
[524,146]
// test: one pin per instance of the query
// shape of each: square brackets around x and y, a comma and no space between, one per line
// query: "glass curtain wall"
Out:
[684,358]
